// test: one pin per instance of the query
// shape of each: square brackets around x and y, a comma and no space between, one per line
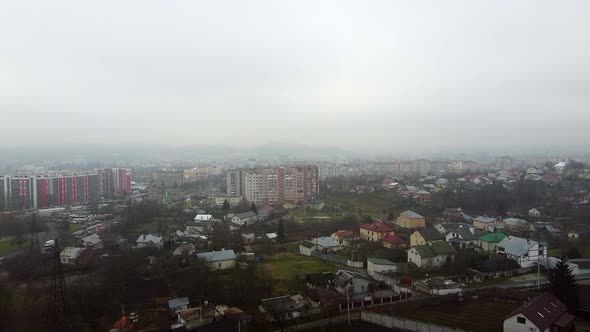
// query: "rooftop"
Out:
[411,214]
[217,256]
[433,249]
[492,237]
[544,310]
[378,227]
[380,261]
[430,234]
[393,239]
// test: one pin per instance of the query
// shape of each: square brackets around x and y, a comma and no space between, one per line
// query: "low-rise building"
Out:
[544,313]
[375,232]
[488,242]
[323,244]
[343,237]
[219,260]
[579,231]
[410,219]
[431,255]
[70,255]
[203,217]
[462,237]
[149,240]
[379,265]
[232,200]
[484,223]
[393,242]
[439,286]
[524,251]
[245,218]
[91,241]
[516,225]
[424,235]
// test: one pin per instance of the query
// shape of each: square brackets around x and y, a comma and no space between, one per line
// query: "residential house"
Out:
[219,260]
[423,196]
[287,307]
[185,249]
[524,251]
[91,241]
[484,223]
[378,265]
[551,263]
[431,255]
[454,214]
[560,166]
[428,234]
[149,240]
[271,236]
[488,242]
[70,255]
[517,225]
[323,244]
[579,231]
[203,217]
[245,218]
[343,237]
[462,237]
[232,200]
[534,213]
[202,227]
[544,313]
[353,284]
[178,304]
[410,219]
[375,232]
[393,241]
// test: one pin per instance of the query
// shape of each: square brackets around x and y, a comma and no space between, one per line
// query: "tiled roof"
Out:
[411,214]
[434,249]
[378,227]
[392,239]
[543,310]
[343,233]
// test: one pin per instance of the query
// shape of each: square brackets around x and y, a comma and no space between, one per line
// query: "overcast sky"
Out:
[377,75]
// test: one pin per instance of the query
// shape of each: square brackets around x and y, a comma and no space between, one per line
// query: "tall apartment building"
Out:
[42,191]
[168,178]
[114,180]
[275,186]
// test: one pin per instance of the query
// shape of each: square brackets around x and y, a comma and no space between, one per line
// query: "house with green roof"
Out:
[431,255]
[488,242]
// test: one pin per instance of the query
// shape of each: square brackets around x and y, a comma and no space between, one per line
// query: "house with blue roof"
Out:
[219,260]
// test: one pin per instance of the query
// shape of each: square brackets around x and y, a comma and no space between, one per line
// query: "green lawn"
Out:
[6,246]
[74,228]
[288,271]
[371,204]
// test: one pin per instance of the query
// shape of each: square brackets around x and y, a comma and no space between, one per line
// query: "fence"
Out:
[337,259]
[404,324]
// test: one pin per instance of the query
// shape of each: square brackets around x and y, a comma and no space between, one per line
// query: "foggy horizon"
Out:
[383,77]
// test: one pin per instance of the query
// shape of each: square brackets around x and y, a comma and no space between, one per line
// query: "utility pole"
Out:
[59,313]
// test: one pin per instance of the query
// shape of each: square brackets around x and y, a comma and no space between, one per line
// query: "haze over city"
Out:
[370,77]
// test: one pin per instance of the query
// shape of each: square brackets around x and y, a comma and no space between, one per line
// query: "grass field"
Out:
[288,271]
[74,228]
[367,204]
[480,315]
[6,246]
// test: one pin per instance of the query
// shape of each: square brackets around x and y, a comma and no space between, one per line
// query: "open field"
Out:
[481,315]
[74,228]
[367,204]
[7,246]
[288,271]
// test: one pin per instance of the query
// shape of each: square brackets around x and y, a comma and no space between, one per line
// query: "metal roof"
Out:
[217,256]
[411,214]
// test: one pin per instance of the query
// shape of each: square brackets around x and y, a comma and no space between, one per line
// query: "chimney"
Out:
[144,237]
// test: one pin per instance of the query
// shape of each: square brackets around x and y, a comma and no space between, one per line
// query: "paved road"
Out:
[43,237]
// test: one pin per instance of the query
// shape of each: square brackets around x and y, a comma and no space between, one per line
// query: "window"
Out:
[521,320]
[219,265]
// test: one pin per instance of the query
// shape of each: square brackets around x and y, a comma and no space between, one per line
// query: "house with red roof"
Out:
[393,241]
[376,231]
[544,313]
[343,237]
